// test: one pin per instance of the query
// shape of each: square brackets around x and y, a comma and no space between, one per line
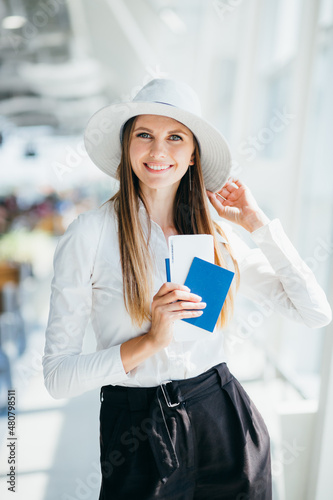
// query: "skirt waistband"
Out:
[173,392]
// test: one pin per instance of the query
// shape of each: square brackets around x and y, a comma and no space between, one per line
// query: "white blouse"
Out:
[87,284]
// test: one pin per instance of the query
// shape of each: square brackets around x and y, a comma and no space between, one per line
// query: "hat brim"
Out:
[102,138]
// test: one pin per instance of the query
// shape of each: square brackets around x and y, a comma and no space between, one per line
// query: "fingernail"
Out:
[187,288]
[197,296]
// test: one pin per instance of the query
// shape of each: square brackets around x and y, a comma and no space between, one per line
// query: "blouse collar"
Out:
[143,218]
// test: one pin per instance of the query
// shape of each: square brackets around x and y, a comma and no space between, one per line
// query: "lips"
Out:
[157,167]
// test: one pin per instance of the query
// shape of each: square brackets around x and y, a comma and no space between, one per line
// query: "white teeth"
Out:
[158,167]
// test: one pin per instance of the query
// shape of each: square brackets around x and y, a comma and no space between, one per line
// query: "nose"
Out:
[157,149]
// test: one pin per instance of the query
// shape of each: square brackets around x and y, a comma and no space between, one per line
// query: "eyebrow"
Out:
[169,133]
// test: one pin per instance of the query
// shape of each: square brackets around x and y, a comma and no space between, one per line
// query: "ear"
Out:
[192,158]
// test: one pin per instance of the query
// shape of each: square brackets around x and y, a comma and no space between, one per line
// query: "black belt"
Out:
[173,395]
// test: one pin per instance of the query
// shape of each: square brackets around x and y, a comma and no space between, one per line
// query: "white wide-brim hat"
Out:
[163,97]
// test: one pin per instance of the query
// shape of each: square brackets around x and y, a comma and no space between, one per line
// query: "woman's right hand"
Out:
[172,302]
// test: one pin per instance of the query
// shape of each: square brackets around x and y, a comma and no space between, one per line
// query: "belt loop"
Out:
[101,398]
[223,373]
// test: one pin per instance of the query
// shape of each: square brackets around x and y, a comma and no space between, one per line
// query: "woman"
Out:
[174,423]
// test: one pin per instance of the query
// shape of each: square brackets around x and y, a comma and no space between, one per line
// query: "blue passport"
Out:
[212,283]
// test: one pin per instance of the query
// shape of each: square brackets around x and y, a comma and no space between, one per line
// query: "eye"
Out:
[144,135]
[175,138]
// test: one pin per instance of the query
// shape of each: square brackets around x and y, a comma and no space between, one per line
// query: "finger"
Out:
[231,186]
[226,191]
[185,314]
[175,296]
[216,202]
[227,203]
[168,287]
[238,183]
[234,192]
[219,203]
[222,197]
[180,296]
[178,307]
[182,305]
[213,199]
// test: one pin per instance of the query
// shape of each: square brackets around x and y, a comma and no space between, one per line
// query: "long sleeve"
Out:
[275,276]
[88,286]
[68,372]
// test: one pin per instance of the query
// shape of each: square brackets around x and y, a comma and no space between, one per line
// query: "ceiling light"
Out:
[13,22]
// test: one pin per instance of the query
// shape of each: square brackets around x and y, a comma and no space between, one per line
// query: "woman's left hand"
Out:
[236,203]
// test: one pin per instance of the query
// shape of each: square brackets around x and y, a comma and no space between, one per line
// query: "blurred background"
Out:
[263,70]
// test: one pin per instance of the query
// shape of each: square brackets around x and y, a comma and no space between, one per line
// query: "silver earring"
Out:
[190,180]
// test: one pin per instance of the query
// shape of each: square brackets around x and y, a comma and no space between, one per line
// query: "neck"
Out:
[160,206]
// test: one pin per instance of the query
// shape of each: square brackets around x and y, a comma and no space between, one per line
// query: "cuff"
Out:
[272,225]
[119,373]
[276,246]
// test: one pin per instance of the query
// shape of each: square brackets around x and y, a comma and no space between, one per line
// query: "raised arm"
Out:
[273,275]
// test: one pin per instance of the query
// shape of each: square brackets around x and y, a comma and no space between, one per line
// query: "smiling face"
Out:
[161,149]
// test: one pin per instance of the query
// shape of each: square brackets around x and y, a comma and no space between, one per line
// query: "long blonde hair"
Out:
[191,216]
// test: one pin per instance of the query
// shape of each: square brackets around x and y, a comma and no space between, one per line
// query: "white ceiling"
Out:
[66,62]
